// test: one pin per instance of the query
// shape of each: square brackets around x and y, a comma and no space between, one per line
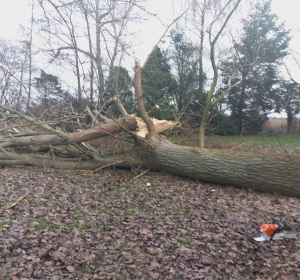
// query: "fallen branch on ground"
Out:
[15,203]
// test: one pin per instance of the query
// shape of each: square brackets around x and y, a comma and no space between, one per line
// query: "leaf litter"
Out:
[159,226]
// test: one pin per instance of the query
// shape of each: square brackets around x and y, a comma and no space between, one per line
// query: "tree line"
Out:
[88,39]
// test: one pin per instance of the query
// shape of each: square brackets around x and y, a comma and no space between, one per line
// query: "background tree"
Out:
[183,58]
[120,85]
[14,65]
[259,54]
[211,99]
[60,28]
[158,86]
[101,41]
[290,101]
[49,87]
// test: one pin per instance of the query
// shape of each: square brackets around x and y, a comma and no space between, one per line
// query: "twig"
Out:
[140,175]
[15,203]
[106,165]
[168,27]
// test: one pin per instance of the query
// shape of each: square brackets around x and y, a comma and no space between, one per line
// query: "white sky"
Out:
[14,13]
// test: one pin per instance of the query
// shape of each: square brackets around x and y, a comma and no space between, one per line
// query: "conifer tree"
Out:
[158,85]
[259,54]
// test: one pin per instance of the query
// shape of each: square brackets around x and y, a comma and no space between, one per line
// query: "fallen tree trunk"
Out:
[266,172]
[273,173]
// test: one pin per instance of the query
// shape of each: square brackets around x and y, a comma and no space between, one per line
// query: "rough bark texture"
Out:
[271,173]
[266,172]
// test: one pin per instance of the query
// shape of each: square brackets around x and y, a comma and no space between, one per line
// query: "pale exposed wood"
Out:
[89,112]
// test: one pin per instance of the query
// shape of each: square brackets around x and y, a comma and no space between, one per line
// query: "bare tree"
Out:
[102,40]
[59,25]
[30,56]
[214,36]
[13,66]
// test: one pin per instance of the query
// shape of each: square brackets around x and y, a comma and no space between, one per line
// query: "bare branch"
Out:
[155,46]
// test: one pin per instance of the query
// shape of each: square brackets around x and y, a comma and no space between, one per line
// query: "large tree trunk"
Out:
[273,173]
[289,122]
[265,172]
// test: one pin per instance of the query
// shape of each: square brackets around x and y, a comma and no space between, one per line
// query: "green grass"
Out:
[42,223]
[62,188]
[101,211]
[6,274]
[210,229]
[187,212]
[70,175]
[53,227]
[129,211]
[274,269]
[288,141]
[278,142]
[80,217]
[12,217]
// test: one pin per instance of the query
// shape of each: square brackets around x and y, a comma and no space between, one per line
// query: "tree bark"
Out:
[110,128]
[209,100]
[271,173]
[289,122]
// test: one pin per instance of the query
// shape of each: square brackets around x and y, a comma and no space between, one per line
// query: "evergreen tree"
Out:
[121,84]
[290,101]
[49,87]
[158,86]
[259,53]
[184,61]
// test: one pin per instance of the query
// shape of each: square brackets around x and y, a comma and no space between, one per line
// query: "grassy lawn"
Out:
[288,141]
[263,143]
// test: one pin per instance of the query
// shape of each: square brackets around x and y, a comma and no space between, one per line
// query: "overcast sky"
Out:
[17,12]
[14,13]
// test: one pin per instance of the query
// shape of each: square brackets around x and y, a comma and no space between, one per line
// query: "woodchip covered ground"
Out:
[75,225]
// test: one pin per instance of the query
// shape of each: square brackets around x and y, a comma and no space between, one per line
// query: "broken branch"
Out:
[15,203]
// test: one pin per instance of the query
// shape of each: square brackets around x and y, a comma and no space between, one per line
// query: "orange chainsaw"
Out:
[274,231]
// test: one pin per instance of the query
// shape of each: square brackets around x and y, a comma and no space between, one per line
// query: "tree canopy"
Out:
[158,86]
[259,54]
